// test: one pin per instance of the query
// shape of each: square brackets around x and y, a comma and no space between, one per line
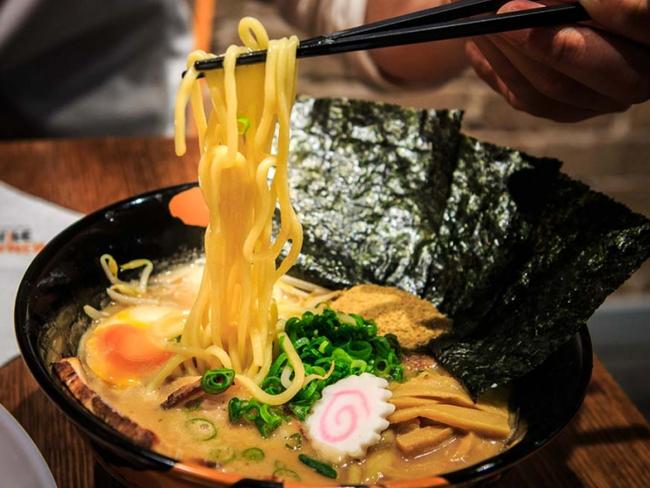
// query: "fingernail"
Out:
[517,5]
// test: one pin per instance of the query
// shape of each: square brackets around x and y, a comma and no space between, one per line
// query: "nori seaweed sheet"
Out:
[370,184]
[517,254]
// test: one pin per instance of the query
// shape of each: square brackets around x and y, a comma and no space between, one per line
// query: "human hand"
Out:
[570,73]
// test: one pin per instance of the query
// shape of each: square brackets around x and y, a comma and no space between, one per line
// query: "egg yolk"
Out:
[122,354]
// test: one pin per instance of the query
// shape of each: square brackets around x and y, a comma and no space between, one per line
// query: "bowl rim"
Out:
[103,434]
[99,431]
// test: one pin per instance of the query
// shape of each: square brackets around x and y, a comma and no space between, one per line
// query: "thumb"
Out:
[628,18]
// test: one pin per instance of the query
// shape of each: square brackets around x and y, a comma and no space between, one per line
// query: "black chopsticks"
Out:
[451,21]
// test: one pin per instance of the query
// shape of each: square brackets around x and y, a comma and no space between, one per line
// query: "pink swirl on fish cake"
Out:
[348,413]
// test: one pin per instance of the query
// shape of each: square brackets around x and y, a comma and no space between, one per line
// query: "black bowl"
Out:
[65,276]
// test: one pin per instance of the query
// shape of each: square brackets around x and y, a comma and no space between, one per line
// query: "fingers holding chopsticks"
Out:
[581,68]
[497,70]
[609,64]
[563,85]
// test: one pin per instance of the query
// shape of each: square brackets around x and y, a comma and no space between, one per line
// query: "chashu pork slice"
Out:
[184,394]
[70,372]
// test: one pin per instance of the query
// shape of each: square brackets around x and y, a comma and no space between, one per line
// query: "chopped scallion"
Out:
[285,473]
[318,466]
[217,380]
[265,417]
[222,455]
[201,429]
[253,454]
[243,124]
[346,342]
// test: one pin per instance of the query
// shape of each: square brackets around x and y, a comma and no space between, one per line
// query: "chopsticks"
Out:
[438,23]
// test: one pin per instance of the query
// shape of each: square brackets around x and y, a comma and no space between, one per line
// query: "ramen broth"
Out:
[186,432]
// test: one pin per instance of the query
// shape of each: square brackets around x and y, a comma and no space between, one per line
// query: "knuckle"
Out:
[629,18]
[567,46]
[624,12]
[555,47]
[636,8]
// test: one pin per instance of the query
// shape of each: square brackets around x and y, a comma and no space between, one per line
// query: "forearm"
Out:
[422,64]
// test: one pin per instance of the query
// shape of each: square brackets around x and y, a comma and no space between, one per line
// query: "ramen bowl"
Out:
[64,277]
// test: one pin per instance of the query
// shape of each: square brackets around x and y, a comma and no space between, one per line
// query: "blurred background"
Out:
[47,92]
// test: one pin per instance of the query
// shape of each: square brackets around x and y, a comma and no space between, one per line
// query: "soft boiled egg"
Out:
[129,346]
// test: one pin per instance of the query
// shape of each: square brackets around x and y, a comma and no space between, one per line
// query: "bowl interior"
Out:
[65,276]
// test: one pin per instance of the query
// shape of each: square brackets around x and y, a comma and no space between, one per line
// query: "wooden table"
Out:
[606,445]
